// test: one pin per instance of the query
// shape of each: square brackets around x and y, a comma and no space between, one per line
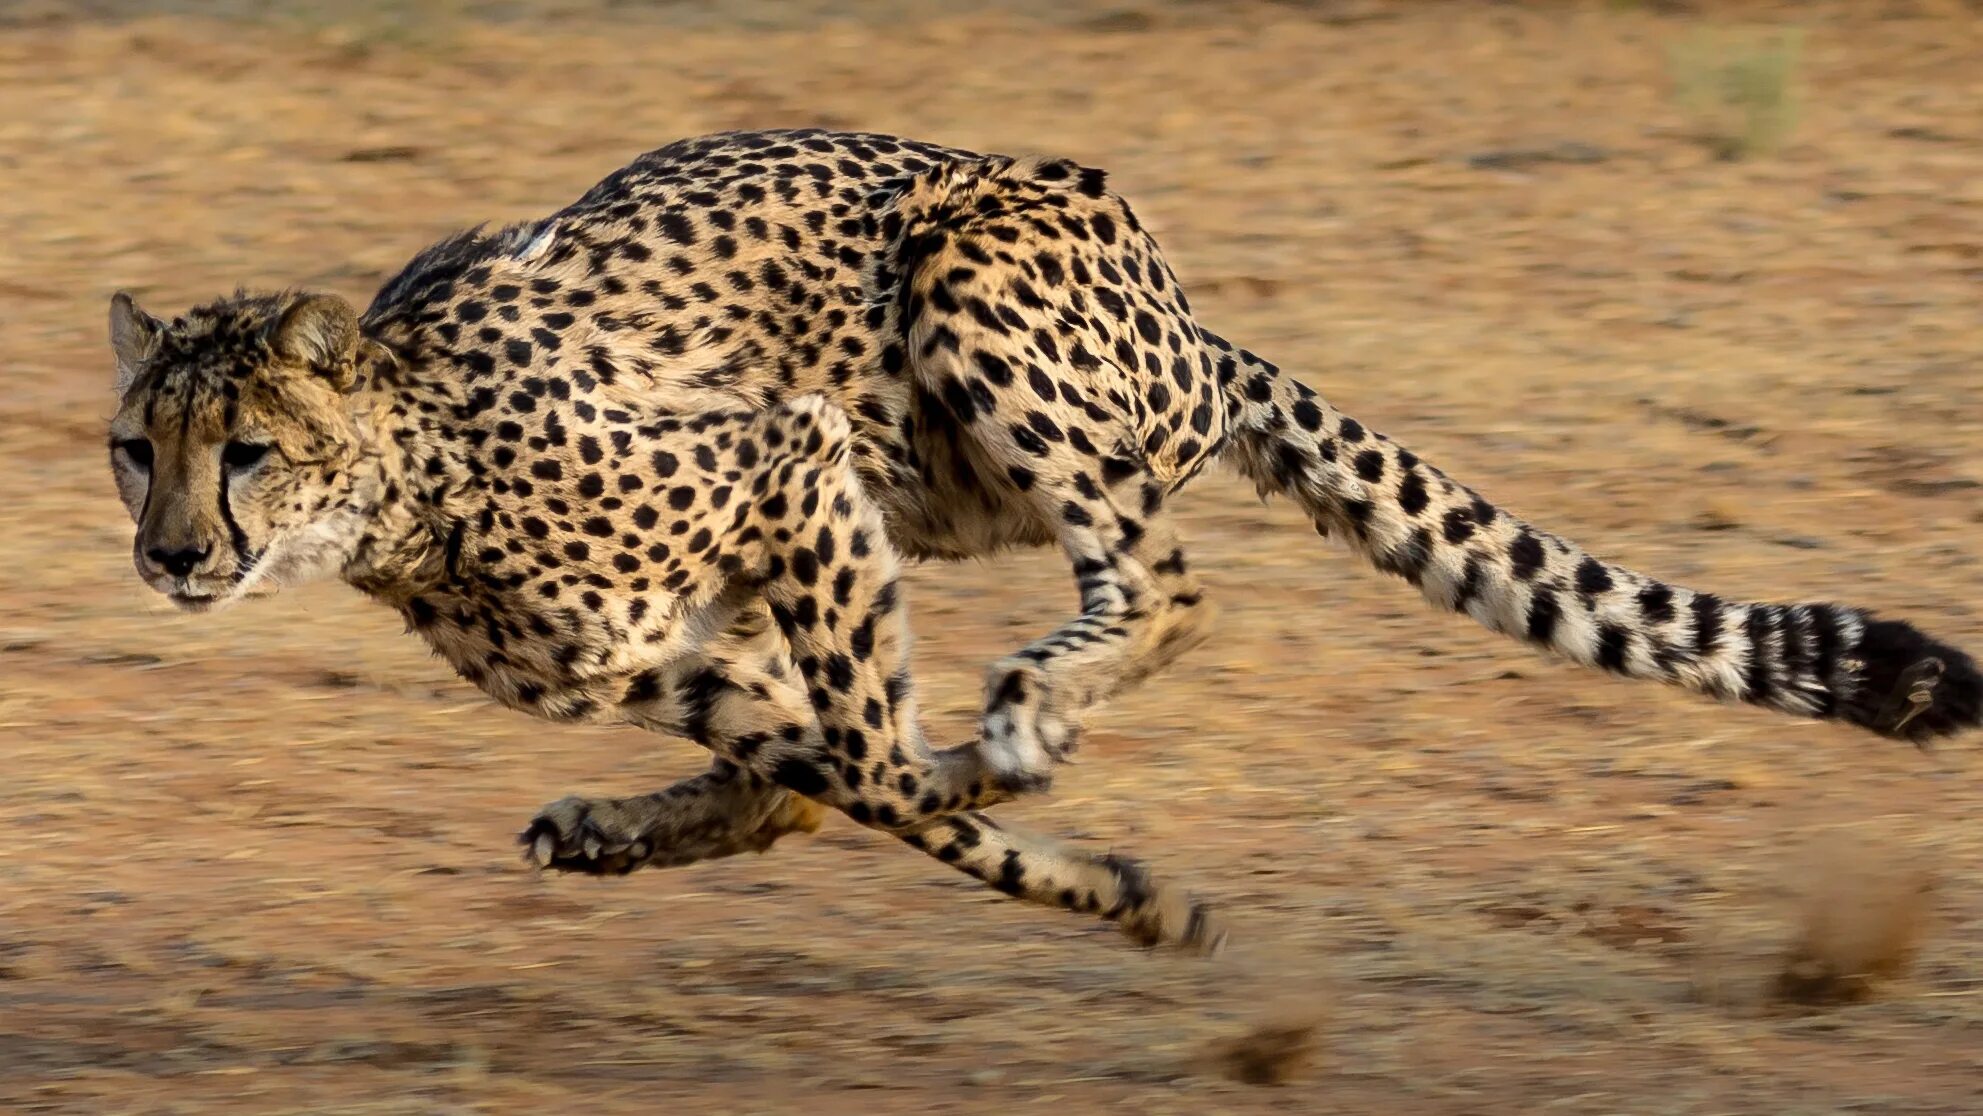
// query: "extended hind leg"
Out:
[1042,871]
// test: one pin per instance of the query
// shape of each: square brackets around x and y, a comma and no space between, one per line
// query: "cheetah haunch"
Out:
[656,459]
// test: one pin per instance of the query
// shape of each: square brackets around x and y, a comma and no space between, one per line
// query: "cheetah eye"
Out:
[243,455]
[138,450]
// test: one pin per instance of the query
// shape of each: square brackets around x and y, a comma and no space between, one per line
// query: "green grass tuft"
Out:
[1739,88]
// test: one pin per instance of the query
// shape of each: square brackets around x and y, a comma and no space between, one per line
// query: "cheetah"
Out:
[658,459]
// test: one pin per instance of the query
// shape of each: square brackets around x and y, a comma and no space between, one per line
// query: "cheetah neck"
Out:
[411,522]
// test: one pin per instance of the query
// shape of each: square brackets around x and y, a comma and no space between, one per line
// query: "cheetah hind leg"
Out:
[1141,608]
[1153,913]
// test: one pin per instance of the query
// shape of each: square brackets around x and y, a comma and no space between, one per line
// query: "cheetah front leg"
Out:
[722,812]
[831,579]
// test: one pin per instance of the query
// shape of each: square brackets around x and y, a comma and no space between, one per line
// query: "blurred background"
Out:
[1696,283]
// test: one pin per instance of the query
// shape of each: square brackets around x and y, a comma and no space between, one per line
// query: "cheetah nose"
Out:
[181,561]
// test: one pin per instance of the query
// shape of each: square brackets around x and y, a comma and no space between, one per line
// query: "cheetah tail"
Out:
[1466,555]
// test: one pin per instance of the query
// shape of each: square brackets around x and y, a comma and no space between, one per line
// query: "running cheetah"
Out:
[658,458]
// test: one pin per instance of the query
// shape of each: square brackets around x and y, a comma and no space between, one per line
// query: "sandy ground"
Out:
[262,862]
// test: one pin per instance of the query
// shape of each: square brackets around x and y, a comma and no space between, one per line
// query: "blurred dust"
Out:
[1865,910]
[1273,1052]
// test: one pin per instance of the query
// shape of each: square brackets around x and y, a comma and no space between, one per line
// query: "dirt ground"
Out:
[262,861]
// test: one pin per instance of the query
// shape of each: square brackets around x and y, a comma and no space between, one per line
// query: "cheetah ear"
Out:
[319,331]
[133,337]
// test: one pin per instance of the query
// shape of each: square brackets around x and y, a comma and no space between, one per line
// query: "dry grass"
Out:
[261,861]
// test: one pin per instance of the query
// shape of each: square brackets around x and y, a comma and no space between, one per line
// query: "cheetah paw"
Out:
[1022,738]
[599,837]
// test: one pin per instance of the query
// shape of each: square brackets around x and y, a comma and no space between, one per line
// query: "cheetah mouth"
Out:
[192,602]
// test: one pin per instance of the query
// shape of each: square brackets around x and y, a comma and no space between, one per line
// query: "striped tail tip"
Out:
[1912,686]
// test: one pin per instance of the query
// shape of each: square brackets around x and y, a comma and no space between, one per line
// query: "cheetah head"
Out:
[236,445]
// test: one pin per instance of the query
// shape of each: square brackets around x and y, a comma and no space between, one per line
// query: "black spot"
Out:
[676,227]
[1469,586]
[800,776]
[1459,525]
[1543,614]
[1011,877]
[839,672]
[645,687]
[1412,497]
[1525,555]
[805,566]
[1592,577]
[1409,559]
[1370,465]
[1612,643]
[1656,602]
[994,367]
[1358,513]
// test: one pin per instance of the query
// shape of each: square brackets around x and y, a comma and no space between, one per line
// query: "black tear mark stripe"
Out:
[243,559]
[144,508]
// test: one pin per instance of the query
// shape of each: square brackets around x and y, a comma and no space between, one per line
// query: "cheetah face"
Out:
[234,444]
